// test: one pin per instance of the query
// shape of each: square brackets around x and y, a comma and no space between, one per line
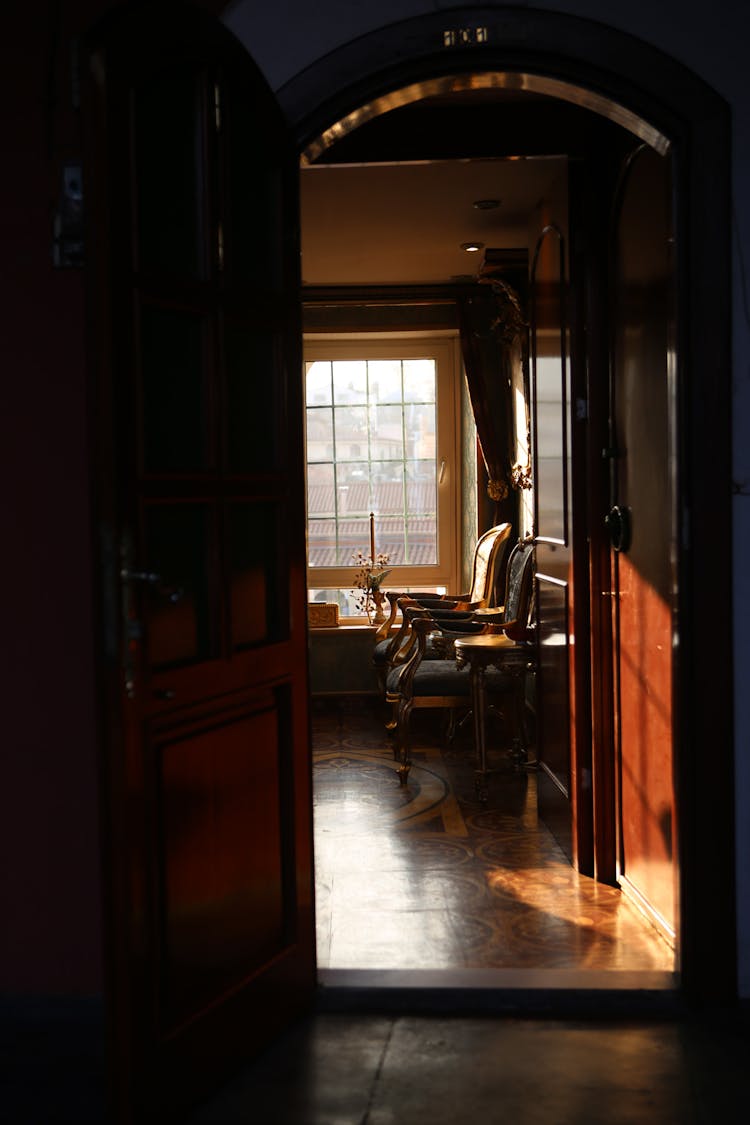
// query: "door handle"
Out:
[151,578]
[618,522]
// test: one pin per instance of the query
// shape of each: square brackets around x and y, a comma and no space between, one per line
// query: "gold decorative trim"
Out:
[497,490]
[508,80]
[521,476]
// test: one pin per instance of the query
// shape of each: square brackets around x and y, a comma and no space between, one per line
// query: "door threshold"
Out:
[553,993]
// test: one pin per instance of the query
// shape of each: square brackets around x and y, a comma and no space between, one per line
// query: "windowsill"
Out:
[345,625]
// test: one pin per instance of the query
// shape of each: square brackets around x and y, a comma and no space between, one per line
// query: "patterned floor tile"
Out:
[425,876]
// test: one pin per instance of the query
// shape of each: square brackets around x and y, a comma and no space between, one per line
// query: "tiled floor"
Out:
[425,877]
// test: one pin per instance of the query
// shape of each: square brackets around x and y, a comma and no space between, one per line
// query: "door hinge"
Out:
[220,246]
[217,107]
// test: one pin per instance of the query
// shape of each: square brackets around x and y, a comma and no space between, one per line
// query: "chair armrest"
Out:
[385,629]
[412,654]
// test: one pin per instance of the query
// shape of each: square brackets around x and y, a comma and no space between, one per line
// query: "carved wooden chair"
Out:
[394,644]
[438,683]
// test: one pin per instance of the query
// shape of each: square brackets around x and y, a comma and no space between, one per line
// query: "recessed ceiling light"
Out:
[472,247]
[486,204]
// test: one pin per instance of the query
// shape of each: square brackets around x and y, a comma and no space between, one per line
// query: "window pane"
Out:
[391,538]
[386,433]
[385,380]
[419,427]
[388,488]
[349,381]
[345,599]
[321,543]
[351,433]
[320,434]
[354,536]
[320,490]
[420,487]
[353,488]
[421,541]
[318,382]
[419,380]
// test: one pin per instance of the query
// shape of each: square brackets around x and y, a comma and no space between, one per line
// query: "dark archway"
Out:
[629,82]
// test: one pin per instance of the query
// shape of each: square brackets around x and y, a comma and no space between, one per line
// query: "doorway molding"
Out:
[645,84]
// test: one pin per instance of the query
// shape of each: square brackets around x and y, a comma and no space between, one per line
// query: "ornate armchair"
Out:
[418,682]
[393,645]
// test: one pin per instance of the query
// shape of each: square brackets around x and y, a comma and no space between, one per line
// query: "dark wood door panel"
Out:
[647,789]
[220,883]
[198,407]
[225,677]
[644,577]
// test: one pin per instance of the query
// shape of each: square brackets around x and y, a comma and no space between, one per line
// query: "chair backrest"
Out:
[489,555]
[519,584]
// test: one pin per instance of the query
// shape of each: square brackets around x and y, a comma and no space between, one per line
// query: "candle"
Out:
[372,538]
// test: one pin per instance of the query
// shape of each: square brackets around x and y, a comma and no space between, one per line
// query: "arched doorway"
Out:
[659,101]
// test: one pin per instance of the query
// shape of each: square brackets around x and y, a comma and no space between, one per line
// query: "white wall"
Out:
[286,36]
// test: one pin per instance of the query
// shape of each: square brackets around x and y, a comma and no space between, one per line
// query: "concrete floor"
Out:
[344,1069]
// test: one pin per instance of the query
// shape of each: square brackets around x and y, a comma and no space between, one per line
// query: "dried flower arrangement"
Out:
[368,578]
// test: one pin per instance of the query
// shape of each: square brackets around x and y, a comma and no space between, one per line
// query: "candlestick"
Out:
[372,538]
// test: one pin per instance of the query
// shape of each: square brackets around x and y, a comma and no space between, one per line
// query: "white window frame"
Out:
[444,347]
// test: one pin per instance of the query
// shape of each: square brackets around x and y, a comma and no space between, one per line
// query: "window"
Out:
[381,438]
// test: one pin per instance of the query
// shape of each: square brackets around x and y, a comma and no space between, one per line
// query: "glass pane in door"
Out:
[169,160]
[175,416]
[252,399]
[257,612]
[177,606]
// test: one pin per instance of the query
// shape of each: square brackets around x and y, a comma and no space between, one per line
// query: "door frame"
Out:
[641,87]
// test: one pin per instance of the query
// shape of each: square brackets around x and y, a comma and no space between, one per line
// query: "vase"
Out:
[378,598]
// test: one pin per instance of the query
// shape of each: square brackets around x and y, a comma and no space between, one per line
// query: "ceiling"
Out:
[404,223]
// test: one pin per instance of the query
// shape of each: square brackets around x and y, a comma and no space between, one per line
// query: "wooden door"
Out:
[563,745]
[642,522]
[200,510]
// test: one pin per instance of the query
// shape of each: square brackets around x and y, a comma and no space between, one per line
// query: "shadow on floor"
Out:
[404,1070]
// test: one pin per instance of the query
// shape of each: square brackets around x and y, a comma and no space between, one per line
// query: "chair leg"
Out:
[403,741]
[392,723]
[454,725]
[450,726]
[519,752]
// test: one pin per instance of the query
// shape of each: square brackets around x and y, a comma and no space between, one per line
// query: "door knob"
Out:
[618,522]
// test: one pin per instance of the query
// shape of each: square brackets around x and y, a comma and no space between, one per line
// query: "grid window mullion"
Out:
[383,424]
